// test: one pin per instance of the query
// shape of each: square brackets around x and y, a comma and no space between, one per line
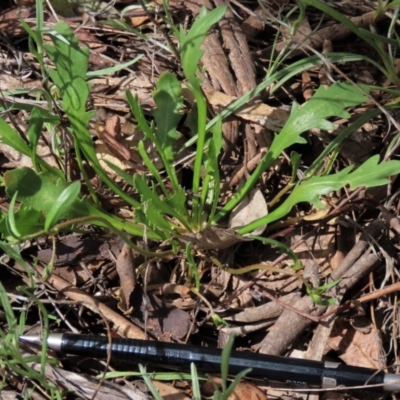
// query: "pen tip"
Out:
[34,339]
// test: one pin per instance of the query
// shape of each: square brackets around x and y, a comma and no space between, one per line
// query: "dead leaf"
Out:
[270,117]
[17,159]
[354,347]
[321,248]
[10,24]
[127,276]
[104,153]
[111,135]
[138,21]
[166,321]
[167,391]
[307,85]
[243,391]
[66,273]
[252,207]
[212,238]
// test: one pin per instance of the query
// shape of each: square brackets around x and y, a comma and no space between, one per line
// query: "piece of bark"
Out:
[231,71]
[238,51]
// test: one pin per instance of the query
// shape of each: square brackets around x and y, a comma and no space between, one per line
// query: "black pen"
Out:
[295,371]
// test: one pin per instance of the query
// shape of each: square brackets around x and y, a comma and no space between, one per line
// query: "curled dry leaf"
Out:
[252,207]
[127,276]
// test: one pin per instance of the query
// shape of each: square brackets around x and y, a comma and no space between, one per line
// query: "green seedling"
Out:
[53,204]
[226,390]
[46,195]
[316,294]
[12,358]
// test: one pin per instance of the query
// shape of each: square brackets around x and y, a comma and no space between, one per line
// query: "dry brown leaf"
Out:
[66,273]
[167,391]
[111,135]
[252,207]
[270,117]
[247,391]
[166,321]
[135,22]
[354,347]
[243,391]
[307,85]
[17,159]
[212,238]
[127,276]
[10,24]
[104,153]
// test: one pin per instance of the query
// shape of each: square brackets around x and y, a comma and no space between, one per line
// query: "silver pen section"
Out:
[308,373]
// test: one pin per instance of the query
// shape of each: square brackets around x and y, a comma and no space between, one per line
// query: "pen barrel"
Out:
[273,368]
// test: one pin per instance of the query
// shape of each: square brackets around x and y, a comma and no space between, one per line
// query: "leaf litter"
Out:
[338,241]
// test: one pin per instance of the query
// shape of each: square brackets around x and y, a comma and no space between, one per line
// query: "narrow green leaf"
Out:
[369,174]
[212,182]
[295,158]
[27,221]
[324,104]
[62,205]
[11,219]
[235,382]
[70,73]
[149,383]
[137,111]
[173,206]
[190,43]
[169,101]
[37,119]
[226,353]
[114,69]
[195,382]
[11,138]
[151,167]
